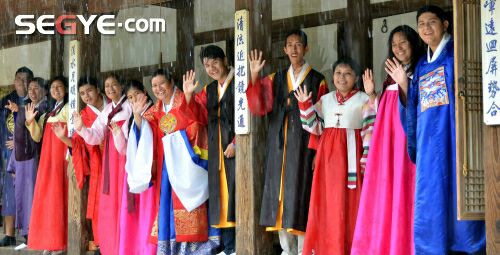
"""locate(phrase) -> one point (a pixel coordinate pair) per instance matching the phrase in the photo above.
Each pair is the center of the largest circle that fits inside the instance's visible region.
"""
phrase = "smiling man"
(291, 150)
(214, 107)
(9, 105)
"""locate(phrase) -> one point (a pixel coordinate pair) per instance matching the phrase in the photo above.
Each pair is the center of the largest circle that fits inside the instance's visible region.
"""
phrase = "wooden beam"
(138, 73)
(78, 234)
(251, 238)
(98, 6)
(90, 51)
(390, 8)
(176, 4)
(185, 40)
(10, 9)
(279, 28)
(357, 27)
(341, 43)
(56, 53)
(78, 231)
(213, 36)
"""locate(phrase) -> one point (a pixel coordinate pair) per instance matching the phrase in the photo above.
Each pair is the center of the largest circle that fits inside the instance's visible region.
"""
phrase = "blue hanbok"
(430, 127)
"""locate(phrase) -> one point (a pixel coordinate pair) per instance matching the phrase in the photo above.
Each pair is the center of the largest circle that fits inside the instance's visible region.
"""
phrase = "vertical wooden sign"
(241, 111)
(490, 35)
(74, 71)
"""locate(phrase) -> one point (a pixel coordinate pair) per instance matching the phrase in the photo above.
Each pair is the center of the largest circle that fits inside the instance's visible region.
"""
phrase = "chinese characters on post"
(490, 17)
(241, 111)
(74, 70)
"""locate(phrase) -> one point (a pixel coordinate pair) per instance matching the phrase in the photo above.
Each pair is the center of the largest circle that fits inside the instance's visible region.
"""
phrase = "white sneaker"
(20, 247)
(234, 253)
(221, 253)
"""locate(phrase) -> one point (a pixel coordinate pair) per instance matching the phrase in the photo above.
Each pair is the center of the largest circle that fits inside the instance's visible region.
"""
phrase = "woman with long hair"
(110, 128)
(385, 219)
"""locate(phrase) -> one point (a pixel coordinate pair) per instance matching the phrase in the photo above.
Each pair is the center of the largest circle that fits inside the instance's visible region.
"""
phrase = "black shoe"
(26, 237)
(8, 241)
(97, 252)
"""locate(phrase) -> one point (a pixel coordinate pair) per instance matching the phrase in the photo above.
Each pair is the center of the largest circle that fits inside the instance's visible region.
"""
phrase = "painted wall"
(213, 14)
(127, 50)
(35, 56)
(289, 8)
(208, 18)
(322, 42)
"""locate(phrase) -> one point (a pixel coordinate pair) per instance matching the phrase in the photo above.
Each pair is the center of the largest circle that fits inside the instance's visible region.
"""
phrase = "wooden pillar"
(185, 37)
(78, 232)
(251, 238)
(90, 50)
(56, 59)
(492, 182)
(357, 29)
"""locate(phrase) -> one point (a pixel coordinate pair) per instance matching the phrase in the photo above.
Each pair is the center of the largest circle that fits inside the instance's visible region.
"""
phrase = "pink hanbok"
(385, 218)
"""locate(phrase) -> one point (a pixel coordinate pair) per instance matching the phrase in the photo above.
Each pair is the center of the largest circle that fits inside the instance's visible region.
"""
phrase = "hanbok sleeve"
(120, 139)
(369, 115)
(196, 109)
(314, 139)
(311, 117)
(139, 157)
(95, 134)
(260, 96)
(81, 160)
(35, 128)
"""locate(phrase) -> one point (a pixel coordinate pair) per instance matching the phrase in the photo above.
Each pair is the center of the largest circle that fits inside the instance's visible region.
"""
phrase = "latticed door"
(469, 109)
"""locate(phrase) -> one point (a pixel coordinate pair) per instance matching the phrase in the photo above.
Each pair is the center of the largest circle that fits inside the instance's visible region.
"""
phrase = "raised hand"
(59, 130)
(140, 104)
(256, 64)
(77, 121)
(30, 112)
(188, 84)
(114, 128)
(368, 82)
(13, 107)
(397, 72)
(301, 94)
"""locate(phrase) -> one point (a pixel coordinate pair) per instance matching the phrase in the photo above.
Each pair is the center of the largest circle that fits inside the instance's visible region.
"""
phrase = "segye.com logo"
(66, 24)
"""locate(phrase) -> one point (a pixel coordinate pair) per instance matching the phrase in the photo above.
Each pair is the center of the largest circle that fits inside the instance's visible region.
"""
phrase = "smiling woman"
(49, 217)
(111, 128)
(344, 119)
(382, 211)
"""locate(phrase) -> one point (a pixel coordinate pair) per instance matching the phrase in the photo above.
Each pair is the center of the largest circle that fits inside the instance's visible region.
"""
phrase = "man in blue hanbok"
(428, 114)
